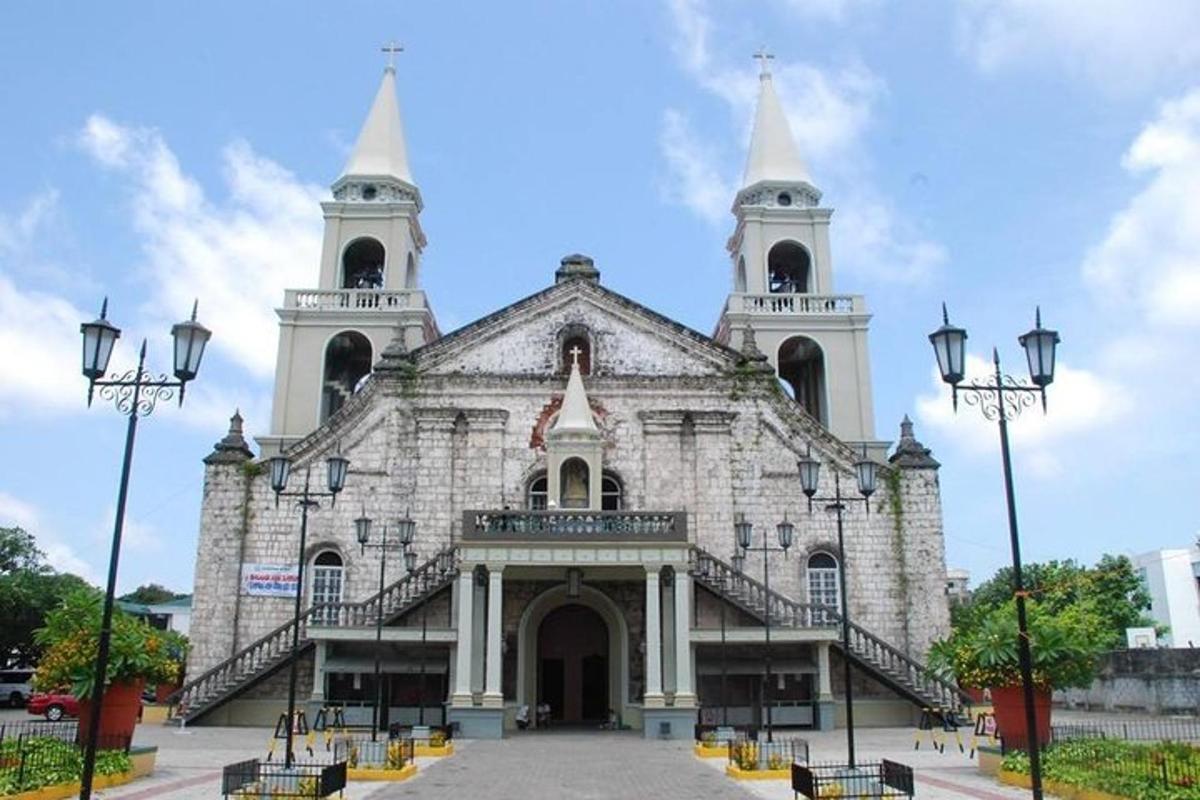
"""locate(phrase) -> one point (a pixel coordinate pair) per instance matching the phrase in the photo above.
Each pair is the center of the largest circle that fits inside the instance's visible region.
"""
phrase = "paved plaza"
(573, 764)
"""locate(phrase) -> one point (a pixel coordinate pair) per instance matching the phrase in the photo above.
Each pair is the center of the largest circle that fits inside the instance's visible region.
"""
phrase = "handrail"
(864, 645)
(580, 524)
(266, 649)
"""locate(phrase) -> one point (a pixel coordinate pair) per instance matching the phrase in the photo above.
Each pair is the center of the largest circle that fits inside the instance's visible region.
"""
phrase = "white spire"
(773, 154)
(576, 413)
(380, 149)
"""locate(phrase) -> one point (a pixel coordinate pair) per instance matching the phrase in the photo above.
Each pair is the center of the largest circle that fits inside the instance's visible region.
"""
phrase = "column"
(654, 694)
(667, 603)
(493, 695)
(824, 685)
(825, 704)
(465, 590)
(685, 695)
(318, 676)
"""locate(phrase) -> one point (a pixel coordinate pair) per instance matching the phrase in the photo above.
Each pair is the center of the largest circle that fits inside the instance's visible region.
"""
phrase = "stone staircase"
(886, 664)
(272, 652)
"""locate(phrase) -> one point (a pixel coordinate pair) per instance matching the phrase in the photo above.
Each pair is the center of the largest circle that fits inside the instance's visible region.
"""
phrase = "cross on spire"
(391, 48)
(575, 353)
(764, 56)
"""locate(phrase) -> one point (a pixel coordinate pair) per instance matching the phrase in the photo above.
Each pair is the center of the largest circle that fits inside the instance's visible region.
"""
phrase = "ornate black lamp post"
(135, 394)
(281, 467)
(405, 528)
(744, 537)
(867, 473)
(1001, 397)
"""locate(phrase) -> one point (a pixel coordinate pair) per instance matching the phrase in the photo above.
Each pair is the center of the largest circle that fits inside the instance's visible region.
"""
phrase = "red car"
(53, 705)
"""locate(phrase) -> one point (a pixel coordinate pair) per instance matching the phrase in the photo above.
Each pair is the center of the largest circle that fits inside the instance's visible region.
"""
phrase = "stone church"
(572, 468)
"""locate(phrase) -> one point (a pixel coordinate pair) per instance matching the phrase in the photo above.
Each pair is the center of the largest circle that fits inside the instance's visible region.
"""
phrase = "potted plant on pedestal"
(982, 653)
(137, 654)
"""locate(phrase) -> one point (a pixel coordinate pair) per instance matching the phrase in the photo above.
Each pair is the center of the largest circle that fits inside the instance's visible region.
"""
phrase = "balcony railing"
(571, 526)
(354, 299)
(795, 304)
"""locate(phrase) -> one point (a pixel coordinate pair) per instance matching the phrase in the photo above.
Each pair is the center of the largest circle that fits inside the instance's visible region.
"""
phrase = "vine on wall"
(895, 502)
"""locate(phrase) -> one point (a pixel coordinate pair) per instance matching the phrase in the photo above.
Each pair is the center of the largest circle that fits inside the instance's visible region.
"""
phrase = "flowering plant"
(982, 652)
(71, 639)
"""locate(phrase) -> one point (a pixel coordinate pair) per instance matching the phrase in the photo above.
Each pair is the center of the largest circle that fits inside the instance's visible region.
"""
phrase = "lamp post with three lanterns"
(280, 468)
(135, 394)
(867, 474)
(1000, 397)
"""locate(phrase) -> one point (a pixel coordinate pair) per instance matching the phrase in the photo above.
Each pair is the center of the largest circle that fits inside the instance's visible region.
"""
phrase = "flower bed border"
(367, 774)
(60, 791)
(703, 750)
(431, 751)
(1062, 790)
(739, 774)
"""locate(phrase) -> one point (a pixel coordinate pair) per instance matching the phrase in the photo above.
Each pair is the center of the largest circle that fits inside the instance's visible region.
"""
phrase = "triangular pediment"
(627, 338)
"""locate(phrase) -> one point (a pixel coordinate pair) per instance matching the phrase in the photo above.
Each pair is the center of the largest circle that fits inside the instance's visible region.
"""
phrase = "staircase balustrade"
(271, 651)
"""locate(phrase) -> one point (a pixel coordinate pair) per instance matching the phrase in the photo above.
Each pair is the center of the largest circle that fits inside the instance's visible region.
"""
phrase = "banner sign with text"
(269, 580)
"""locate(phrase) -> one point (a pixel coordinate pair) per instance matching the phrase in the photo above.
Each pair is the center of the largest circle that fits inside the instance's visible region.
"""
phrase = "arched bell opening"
(347, 362)
(802, 373)
(574, 484)
(739, 277)
(788, 269)
(362, 265)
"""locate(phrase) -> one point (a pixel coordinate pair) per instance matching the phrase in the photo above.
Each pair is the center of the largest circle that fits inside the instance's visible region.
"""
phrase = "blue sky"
(996, 154)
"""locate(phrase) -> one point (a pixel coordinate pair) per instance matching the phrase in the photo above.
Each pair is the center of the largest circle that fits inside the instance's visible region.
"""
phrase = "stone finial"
(577, 267)
(911, 454)
(233, 448)
(395, 356)
(751, 355)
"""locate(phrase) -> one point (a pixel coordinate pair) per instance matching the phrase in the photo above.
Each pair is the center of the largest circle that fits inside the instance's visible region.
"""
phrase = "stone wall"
(1159, 681)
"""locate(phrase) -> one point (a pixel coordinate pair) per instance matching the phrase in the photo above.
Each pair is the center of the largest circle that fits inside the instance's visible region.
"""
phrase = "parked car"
(53, 705)
(16, 686)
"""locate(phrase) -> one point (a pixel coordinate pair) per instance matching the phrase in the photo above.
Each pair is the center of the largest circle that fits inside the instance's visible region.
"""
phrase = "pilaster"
(654, 691)
(493, 696)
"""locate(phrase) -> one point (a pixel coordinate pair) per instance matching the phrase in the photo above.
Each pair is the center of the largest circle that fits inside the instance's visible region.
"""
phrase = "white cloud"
(1080, 403)
(40, 333)
(829, 111)
(1149, 260)
(236, 255)
(14, 511)
(1118, 44)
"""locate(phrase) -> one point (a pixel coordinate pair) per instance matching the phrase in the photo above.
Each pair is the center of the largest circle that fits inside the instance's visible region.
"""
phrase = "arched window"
(788, 269)
(823, 586)
(326, 582)
(577, 345)
(362, 265)
(612, 493)
(739, 278)
(347, 362)
(802, 370)
(573, 484)
(536, 493)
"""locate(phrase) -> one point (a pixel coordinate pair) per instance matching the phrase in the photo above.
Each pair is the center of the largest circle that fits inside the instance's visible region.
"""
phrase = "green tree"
(151, 593)
(29, 589)
(1111, 593)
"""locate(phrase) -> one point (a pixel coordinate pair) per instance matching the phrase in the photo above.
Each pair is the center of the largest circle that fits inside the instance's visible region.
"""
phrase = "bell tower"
(368, 286)
(782, 271)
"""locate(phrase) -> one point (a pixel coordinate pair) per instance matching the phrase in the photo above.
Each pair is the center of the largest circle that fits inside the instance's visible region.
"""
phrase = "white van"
(16, 686)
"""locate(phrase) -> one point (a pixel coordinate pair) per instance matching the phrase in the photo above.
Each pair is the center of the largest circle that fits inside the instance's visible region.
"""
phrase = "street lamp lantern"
(868, 474)
(950, 347)
(99, 336)
(362, 529)
(810, 474)
(338, 466)
(743, 531)
(280, 468)
(1040, 345)
(739, 560)
(190, 339)
(410, 560)
(786, 531)
(406, 528)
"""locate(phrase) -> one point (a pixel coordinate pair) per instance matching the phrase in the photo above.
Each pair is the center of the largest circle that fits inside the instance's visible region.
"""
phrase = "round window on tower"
(369, 192)
(784, 199)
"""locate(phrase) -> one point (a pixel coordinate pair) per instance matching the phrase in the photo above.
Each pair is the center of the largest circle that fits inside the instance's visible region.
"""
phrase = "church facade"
(572, 468)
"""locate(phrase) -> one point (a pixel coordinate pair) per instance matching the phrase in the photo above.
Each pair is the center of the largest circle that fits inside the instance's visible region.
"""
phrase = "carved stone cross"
(763, 57)
(575, 353)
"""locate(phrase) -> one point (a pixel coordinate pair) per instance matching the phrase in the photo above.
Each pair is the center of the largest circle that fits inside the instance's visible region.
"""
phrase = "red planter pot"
(1008, 703)
(118, 714)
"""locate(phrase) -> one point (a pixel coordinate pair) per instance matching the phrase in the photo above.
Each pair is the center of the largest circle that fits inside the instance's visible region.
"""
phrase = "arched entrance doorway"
(572, 663)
